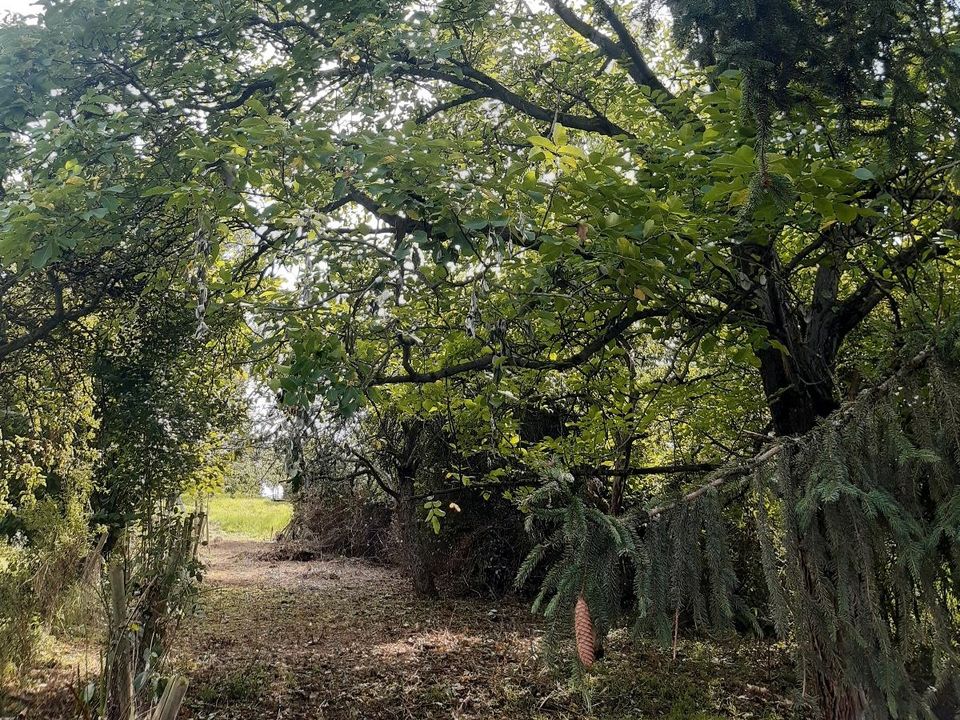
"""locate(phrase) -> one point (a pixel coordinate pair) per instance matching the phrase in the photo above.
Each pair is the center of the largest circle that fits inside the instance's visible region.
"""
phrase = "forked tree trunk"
(797, 367)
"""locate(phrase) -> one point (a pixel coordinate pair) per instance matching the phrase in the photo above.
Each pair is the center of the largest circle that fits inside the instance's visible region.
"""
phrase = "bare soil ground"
(347, 639)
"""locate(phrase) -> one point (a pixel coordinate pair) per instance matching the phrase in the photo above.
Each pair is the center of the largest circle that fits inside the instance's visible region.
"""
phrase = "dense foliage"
(474, 246)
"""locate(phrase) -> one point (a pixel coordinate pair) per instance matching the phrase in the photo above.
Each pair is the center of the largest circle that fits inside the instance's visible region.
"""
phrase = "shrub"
(39, 568)
(152, 584)
(19, 620)
(326, 524)
(479, 547)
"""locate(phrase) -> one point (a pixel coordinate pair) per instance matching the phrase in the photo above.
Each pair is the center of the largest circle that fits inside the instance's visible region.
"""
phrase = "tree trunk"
(797, 396)
(412, 548)
(797, 370)
(625, 439)
(797, 400)
(836, 700)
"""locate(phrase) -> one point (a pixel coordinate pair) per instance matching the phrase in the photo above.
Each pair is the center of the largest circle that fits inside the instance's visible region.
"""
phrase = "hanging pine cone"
(583, 631)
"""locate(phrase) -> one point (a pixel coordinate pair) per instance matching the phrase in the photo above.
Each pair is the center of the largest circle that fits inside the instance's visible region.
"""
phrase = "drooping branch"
(838, 418)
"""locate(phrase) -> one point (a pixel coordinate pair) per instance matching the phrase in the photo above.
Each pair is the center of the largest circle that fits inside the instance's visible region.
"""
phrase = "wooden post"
(91, 565)
(120, 701)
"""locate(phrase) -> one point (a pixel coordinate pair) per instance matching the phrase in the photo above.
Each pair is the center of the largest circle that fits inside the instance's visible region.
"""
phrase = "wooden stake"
(121, 701)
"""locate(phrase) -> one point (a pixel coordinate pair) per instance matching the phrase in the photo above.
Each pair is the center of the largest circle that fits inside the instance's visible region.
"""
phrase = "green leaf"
(542, 142)
(560, 135)
(42, 255)
(845, 213)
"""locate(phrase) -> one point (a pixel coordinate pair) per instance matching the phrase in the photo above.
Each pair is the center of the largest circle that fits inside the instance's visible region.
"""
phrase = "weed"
(236, 687)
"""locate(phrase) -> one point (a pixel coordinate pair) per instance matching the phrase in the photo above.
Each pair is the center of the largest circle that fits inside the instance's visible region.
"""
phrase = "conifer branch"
(836, 419)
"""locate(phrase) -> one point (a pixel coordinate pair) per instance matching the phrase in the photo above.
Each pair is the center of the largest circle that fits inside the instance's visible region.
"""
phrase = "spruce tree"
(857, 526)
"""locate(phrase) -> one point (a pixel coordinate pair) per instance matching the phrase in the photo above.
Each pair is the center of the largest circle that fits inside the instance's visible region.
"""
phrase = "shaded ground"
(346, 639)
(47, 692)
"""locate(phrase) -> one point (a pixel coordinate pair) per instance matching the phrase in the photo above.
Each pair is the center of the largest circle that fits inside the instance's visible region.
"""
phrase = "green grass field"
(251, 517)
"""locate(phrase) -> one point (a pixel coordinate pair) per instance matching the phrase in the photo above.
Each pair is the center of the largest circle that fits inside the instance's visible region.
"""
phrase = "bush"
(325, 524)
(152, 584)
(481, 559)
(476, 552)
(479, 547)
(19, 619)
(39, 568)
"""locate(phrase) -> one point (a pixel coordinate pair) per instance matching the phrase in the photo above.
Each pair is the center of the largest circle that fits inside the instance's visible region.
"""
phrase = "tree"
(693, 229)
(169, 410)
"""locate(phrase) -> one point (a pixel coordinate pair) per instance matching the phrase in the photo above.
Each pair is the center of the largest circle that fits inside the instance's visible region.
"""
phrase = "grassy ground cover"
(250, 517)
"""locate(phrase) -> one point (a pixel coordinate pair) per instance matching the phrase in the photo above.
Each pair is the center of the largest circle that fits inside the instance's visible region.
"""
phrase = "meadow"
(251, 517)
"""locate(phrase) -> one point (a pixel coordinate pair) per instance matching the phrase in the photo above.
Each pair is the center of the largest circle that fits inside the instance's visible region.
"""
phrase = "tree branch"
(244, 94)
(650, 470)
(613, 331)
(627, 53)
(450, 104)
(852, 311)
(55, 320)
(837, 419)
(479, 83)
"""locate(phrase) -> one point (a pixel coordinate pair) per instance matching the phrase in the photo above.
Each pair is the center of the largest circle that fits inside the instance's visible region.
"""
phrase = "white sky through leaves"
(24, 7)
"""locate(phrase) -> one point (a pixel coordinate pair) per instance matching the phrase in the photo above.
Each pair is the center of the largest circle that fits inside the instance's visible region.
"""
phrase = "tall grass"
(256, 518)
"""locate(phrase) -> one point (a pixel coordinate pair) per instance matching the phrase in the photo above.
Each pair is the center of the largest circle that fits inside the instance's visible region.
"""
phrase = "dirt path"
(347, 639)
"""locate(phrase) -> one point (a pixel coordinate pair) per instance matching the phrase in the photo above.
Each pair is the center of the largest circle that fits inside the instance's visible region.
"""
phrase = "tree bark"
(796, 396)
(796, 404)
(412, 548)
(797, 371)
(796, 364)
(625, 439)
